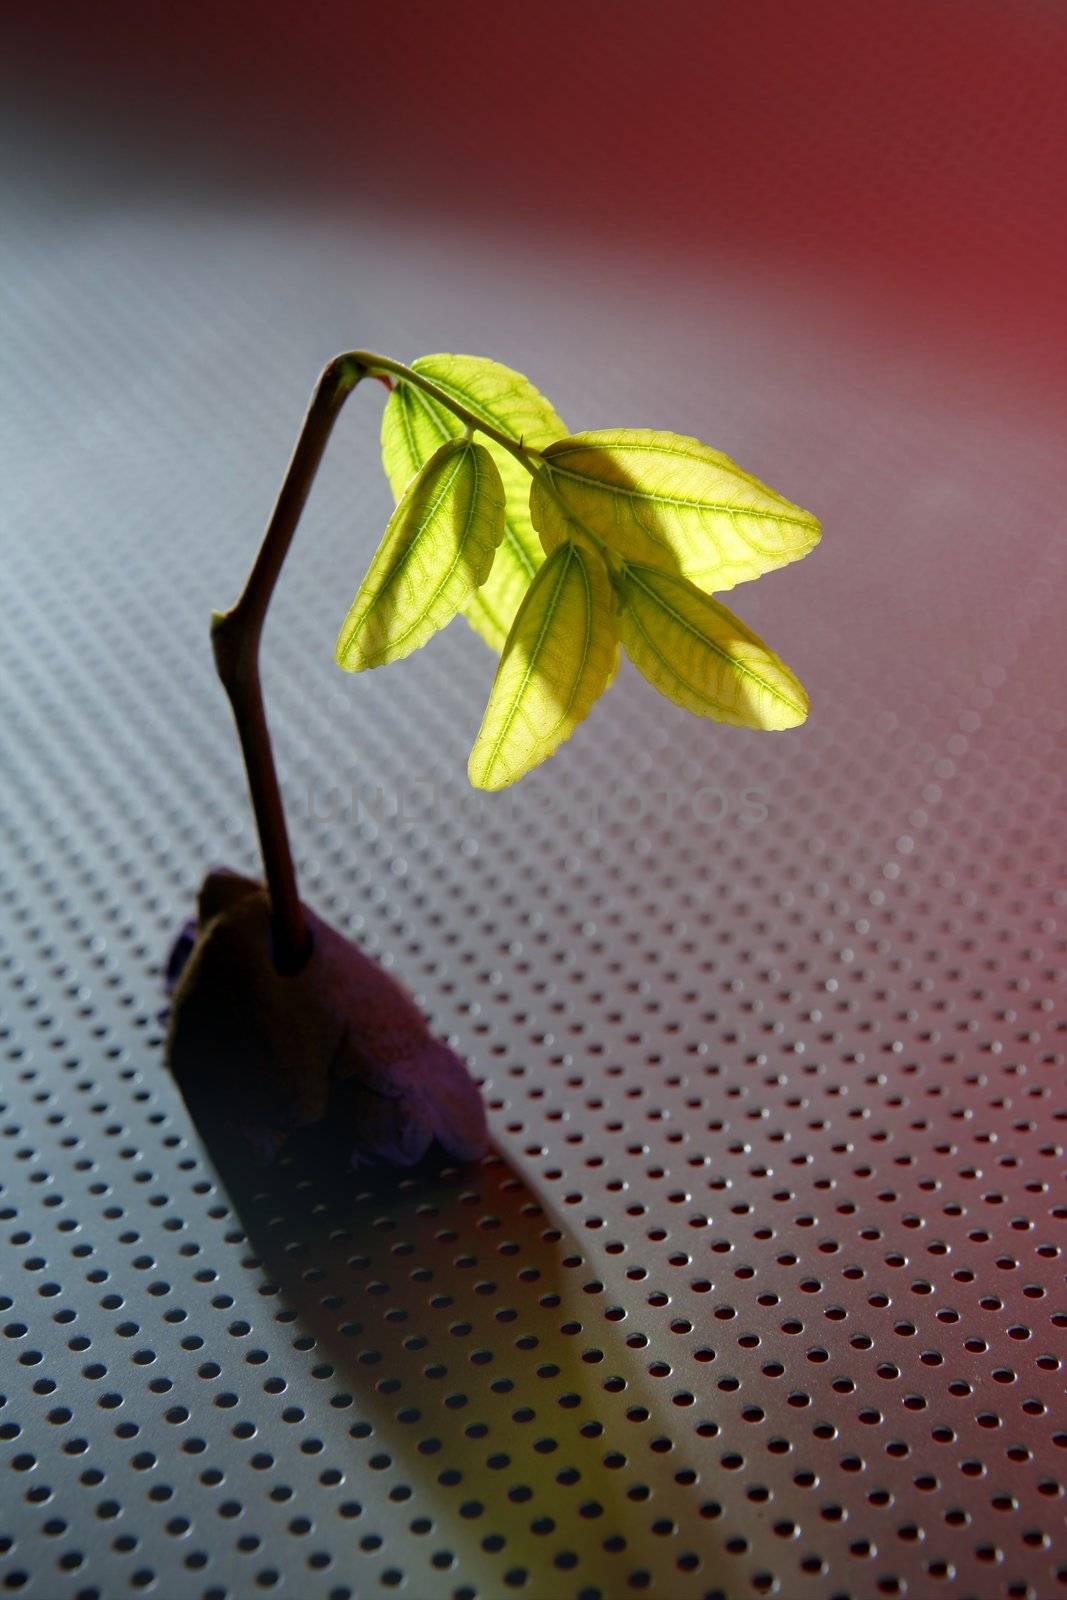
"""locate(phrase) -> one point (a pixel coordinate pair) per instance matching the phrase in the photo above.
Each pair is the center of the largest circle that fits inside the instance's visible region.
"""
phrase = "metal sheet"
(760, 1291)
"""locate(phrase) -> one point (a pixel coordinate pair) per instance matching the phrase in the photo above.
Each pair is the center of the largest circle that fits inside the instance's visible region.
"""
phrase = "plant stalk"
(236, 634)
(379, 366)
(235, 639)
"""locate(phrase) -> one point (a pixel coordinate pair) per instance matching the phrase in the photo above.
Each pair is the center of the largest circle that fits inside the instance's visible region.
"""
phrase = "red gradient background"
(914, 151)
(829, 238)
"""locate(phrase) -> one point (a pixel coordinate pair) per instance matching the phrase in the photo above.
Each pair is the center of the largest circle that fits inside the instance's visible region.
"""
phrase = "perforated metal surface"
(761, 1289)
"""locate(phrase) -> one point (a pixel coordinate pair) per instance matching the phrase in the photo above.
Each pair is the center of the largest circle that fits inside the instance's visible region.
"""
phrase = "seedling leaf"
(701, 656)
(668, 501)
(559, 657)
(415, 425)
(437, 549)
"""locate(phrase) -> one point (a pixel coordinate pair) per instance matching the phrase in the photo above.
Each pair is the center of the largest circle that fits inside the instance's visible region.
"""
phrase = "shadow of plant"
(511, 1439)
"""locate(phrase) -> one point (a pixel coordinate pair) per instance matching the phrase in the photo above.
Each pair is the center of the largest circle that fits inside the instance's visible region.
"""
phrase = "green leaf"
(560, 655)
(437, 549)
(413, 427)
(701, 656)
(669, 502)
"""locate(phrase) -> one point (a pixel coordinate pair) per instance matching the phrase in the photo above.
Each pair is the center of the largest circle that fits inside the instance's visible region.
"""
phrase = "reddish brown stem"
(235, 639)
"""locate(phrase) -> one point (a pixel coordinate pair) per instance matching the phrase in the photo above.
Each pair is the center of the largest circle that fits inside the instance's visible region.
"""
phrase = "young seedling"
(558, 548)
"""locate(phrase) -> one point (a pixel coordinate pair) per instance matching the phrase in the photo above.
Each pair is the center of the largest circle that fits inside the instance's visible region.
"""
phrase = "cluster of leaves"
(559, 548)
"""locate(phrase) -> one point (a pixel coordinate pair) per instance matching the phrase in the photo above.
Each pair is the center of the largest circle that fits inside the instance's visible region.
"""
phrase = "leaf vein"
(518, 697)
(631, 492)
(684, 623)
(473, 515)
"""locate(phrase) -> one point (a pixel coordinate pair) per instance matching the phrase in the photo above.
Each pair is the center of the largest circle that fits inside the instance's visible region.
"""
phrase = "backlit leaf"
(437, 549)
(560, 655)
(415, 425)
(668, 502)
(701, 656)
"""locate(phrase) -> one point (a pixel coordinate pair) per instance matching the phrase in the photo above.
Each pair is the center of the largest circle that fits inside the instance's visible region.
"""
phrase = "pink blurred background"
(911, 153)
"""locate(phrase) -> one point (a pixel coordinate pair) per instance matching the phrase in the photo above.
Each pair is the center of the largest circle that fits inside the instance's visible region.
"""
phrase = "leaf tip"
(479, 776)
(791, 712)
(348, 651)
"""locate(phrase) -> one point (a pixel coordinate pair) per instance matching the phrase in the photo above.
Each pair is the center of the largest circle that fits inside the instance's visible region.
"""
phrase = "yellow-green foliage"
(557, 660)
(437, 551)
(639, 528)
(415, 424)
(670, 502)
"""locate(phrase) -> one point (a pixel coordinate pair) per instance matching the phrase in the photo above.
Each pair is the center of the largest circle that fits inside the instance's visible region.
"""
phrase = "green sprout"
(558, 548)
(561, 550)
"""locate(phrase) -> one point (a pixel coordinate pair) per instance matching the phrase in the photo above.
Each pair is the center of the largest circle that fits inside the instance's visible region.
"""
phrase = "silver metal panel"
(760, 1291)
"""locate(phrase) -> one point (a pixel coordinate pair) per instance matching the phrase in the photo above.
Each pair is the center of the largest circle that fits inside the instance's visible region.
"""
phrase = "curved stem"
(530, 459)
(236, 634)
(235, 639)
(371, 363)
